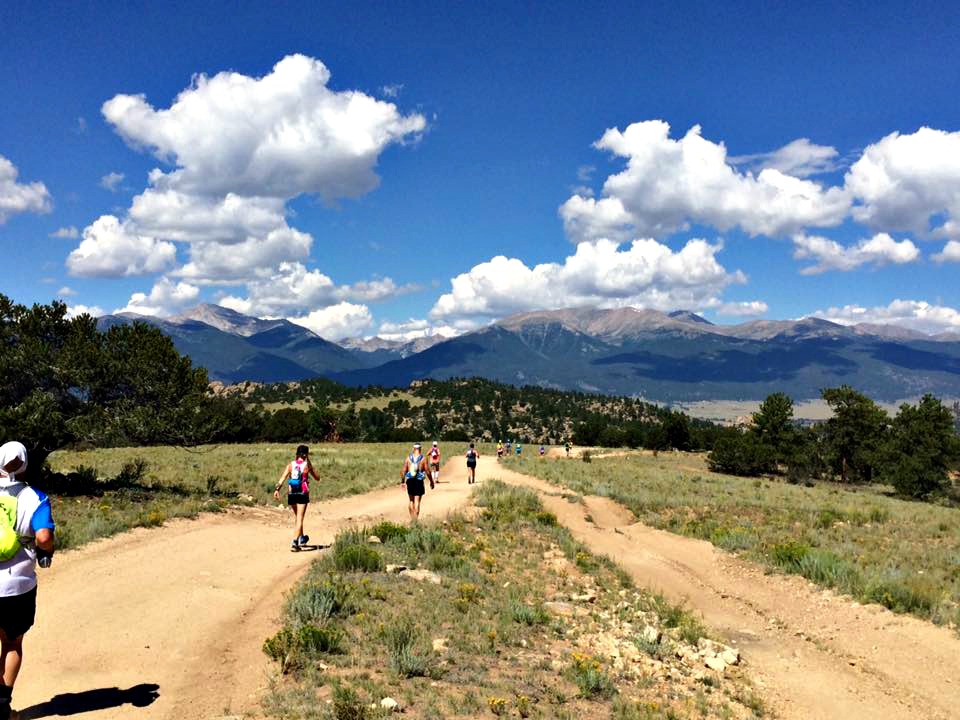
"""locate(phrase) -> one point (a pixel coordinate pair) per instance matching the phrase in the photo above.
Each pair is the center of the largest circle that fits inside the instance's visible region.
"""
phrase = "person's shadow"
(90, 700)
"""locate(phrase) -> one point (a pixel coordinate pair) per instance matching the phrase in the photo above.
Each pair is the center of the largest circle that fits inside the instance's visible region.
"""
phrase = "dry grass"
(110, 490)
(861, 541)
(482, 642)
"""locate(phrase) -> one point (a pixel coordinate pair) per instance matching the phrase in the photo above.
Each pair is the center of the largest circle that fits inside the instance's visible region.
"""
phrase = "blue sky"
(409, 168)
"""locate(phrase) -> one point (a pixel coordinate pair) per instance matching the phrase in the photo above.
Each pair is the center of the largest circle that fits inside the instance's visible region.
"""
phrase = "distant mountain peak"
(227, 320)
(689, 316)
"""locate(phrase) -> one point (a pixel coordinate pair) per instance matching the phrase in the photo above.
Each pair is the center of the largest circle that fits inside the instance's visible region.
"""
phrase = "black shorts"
(471, 464)
(298, 498)
(415, 487)
(17, 613)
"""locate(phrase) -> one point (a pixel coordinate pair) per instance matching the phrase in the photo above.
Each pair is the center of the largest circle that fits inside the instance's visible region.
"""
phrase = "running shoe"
(294, 547)
(304, 539)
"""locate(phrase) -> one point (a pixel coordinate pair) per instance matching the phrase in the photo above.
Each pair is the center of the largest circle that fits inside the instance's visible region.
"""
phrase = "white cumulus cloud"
(166, 298)
(914, 314)
(337, 322)
(800, 158)
(644, 274)
(67, 233)
(950, 253)
(669, 184)
(910, 183)
(746, 308)
(17, 197)
(66, 291)
(293, 288)
(279, 135)
(112, 249)
(78, 310)
(828, 254)
(111, 181)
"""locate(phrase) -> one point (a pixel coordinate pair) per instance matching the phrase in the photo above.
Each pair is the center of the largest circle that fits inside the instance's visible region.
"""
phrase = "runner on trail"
(499, 449)
(434, 464)
(543, 451)
(297, 475)
(566, 446)
(26, 537)
(413, 475)
(519, 449)
(472, 456)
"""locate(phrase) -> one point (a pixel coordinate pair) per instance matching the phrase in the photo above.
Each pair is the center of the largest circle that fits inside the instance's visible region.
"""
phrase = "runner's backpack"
(298, 471)
(413, 469)
(9, 539)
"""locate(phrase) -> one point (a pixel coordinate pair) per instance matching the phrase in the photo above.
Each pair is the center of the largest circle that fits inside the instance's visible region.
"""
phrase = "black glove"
(44, 558)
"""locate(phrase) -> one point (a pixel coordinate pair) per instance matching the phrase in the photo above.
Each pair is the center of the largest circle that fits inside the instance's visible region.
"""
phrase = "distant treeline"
(915, 451)
(464, 409)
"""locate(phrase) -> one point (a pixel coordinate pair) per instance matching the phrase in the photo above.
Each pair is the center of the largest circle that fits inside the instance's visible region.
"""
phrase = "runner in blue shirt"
(26, 538)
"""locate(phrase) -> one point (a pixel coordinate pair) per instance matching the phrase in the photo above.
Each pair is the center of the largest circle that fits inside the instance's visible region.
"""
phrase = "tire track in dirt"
(812, 653)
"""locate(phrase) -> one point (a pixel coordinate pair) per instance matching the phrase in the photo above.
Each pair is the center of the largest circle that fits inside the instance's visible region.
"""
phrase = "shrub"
(282, 648)
(312, 641)
(586, 456)
(789, 554)
(589, 677)
(347, 704)
(315, 603)
(388, 531)
(528, 614)
(402, 639)
(357, 558)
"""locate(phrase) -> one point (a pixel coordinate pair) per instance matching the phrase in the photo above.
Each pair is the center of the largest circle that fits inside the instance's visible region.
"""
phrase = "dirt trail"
(812, 653)
(182, 610)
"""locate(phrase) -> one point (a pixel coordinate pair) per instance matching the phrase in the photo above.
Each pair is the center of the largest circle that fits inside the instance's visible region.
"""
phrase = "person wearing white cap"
(434, 464)
(413, 475)
(26, 536)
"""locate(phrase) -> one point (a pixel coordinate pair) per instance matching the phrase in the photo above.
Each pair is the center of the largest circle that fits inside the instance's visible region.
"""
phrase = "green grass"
(107, 491)
(861, 541)
(483, 641)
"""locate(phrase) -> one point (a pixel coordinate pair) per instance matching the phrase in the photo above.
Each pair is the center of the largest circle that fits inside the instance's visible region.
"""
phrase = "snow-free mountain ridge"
(676, 356)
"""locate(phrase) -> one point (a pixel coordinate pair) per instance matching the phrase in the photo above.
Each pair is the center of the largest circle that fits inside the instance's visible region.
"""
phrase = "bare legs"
(11, 655)
(298, 513)
(414, 507)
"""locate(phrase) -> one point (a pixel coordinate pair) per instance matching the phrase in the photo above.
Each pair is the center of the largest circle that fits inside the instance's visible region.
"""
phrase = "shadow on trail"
(91, 700)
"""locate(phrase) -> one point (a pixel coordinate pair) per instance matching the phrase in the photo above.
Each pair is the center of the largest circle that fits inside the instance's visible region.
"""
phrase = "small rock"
(421, 576)
(559, 608)
(396, 568)
(556, 665)
(730, 656)
(388, 703)
(588, 596)
(715, 663)
(440, 644)
(374, 540)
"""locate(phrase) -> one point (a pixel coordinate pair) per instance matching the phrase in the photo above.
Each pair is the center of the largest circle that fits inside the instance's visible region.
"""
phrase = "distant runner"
(472, 456)
(519, 449)
(434, 464)
(499, 450)
(543, 451)
(297, 475)
(413, 476)
(566, 446)
(26, 538)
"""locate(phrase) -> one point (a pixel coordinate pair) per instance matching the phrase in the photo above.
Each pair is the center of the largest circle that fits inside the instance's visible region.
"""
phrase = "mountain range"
(678, 356)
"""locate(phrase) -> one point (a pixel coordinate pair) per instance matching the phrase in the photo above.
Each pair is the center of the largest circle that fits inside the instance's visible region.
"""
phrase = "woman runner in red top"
(297, 475)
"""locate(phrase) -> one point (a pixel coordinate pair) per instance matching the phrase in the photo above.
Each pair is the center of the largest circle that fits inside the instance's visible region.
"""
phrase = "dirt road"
(169, 622)
(813, 654)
